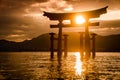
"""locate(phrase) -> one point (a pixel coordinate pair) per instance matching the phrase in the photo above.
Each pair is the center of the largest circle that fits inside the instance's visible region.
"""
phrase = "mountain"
(42, 43)
(108, 43)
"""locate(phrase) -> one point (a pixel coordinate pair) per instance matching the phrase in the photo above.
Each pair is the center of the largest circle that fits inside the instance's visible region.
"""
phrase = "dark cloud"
(10, 6)
(27, 26)
(12, 19)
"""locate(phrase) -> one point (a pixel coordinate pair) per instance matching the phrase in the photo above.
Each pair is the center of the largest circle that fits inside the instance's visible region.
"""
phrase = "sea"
(39, 66)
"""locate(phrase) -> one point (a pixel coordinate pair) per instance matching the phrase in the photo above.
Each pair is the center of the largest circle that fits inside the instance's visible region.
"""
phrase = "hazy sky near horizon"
(23, 19)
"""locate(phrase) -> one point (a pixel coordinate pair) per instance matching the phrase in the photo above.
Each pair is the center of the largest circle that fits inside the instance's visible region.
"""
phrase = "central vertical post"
(59, 53)
(81, 45)
(87, 40)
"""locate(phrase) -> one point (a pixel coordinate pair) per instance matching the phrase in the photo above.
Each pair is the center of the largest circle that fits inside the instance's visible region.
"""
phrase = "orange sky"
(23, 19)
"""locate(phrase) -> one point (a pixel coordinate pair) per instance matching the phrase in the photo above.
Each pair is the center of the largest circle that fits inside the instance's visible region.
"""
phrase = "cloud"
(107, 27)
(13, 21)
(80, 5)
(22, 19)
(110, 23)
(106, 31)
(50, 6)
(22, 25)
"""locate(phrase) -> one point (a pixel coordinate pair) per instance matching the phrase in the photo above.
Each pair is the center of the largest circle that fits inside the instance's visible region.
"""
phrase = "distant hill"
(42, 43)
(108, 43)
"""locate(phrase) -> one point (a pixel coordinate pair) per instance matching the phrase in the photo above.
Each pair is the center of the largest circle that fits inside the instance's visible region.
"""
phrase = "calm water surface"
(38, 66)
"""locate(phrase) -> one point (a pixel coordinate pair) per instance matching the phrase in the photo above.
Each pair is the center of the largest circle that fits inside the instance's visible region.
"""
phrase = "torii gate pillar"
(51, 45)
(81, 45)
(93, 45)
(59, 53)
(87, 41)
(65, 45)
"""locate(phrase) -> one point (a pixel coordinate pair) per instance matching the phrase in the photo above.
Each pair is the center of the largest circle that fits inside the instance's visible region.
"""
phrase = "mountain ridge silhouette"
(42, 43)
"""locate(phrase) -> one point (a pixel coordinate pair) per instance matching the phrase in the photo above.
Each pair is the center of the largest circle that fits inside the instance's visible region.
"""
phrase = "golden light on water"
(79, 20)
(78, 64)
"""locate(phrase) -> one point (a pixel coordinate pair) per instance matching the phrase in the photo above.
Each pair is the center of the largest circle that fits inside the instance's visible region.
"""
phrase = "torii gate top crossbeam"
(69, 16)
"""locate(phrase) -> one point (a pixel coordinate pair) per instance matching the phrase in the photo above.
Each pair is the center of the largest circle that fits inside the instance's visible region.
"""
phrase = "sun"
(79, 20)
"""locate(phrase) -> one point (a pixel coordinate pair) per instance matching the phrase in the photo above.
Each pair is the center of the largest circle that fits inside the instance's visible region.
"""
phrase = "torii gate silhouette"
(70, 16)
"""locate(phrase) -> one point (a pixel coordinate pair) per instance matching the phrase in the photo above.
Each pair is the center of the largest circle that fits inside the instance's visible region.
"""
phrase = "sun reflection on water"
(78, 64)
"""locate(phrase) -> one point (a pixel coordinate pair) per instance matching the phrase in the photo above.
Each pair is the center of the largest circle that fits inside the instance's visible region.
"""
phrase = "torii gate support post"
(59, 53)
(87, 40)
(51, 45)
(81, 45)
(65, 45)
(93, 46)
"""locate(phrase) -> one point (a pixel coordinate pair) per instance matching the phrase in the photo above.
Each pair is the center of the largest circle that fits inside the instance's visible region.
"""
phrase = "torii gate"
(70, 16)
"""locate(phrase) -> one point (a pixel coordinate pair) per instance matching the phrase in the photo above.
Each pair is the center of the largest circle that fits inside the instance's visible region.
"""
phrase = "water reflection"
(79, 65)
(37, 66)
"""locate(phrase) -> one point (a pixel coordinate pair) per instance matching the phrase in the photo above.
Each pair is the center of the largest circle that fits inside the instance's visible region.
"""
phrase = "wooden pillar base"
(51, 45)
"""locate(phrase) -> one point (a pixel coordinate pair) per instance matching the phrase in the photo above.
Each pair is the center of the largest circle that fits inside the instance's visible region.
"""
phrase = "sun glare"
(79, 20)
(78, 64)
